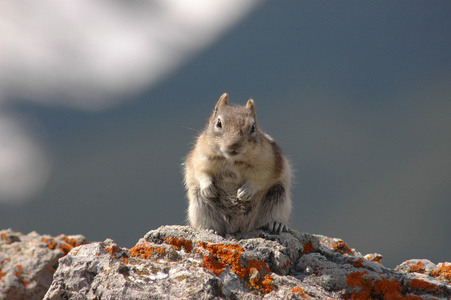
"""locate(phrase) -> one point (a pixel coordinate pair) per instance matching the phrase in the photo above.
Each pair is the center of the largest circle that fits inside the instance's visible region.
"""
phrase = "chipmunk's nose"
(235, 146)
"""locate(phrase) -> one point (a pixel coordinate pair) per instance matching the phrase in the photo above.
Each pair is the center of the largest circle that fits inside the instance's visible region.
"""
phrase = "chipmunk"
(236, 176)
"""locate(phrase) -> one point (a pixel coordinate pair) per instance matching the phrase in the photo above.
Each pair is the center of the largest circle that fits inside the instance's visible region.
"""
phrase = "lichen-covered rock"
(27, 262)
(178, 262)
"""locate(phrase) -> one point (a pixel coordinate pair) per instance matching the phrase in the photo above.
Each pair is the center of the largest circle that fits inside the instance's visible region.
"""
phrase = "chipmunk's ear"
(223, 100)
(250, 105)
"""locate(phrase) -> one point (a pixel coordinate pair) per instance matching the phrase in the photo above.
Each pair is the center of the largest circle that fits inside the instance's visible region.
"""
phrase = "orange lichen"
(379, 289)
(65, 246)
(358, 263)
(308, 248)
(264, 285)
(377, 259)
(357, 279)
(259, 265)
(222, 255)
(374, 257)
(300, 291)
(229, 254)
(19, 275)
(112, 250)
(69, 245)
(213, 264)
(179, 243)
(145, 251)
(341, 247)
(419, 284)
(51, 244)
(443, 272)
(72, 242)
(418, 267)
(2, 274)
(6, 238)
(388, 289)
(286, 264)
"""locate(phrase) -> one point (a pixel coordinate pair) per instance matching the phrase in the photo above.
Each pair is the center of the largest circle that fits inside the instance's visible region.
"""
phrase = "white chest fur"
(230, 173)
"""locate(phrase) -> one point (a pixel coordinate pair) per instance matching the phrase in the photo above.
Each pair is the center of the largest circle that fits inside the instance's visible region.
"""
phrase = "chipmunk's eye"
(253, 128)
(219, 124)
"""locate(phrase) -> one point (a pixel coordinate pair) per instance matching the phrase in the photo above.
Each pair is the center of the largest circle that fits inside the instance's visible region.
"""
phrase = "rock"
(178, 262)
(27, 262)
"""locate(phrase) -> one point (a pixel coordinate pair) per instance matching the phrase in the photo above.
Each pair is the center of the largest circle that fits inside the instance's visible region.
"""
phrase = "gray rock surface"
(27, 262)
(178, 262)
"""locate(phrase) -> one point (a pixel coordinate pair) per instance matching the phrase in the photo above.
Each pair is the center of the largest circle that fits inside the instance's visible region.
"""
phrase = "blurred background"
(100, 102)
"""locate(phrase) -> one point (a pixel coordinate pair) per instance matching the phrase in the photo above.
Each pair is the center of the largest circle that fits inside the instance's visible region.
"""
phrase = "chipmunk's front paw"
(246, 192)
(208, 191)
(276, 227)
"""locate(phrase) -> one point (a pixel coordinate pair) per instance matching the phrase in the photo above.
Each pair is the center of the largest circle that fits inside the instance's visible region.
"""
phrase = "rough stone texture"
(178, 262)
(27, 262)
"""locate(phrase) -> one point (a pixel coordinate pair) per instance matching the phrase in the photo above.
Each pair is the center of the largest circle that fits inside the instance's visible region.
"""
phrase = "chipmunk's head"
(233, 128)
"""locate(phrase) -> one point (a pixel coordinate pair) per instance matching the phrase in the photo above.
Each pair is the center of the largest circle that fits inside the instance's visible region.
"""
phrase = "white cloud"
(90, 55)
(85, 54)
(24, 166)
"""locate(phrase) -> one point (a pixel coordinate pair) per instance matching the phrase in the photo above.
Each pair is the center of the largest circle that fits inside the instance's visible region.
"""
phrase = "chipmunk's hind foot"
(275, 227)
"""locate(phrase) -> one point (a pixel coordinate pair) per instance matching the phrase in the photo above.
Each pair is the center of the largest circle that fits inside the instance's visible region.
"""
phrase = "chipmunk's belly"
(229, 180)
(237, 214)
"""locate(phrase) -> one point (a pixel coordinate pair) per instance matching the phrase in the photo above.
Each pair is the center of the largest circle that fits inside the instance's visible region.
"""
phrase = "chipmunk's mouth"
(233, 153)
